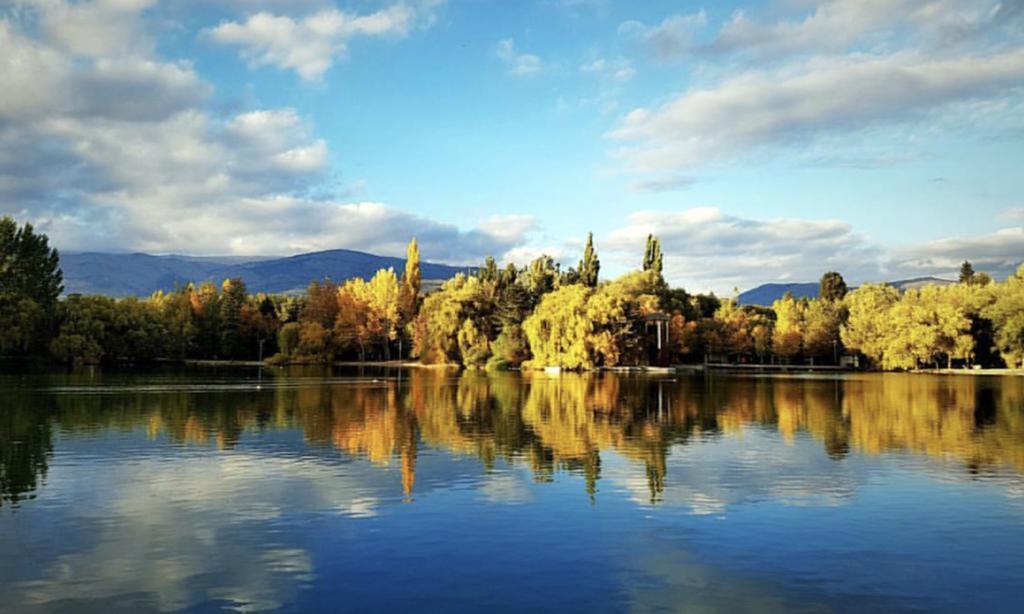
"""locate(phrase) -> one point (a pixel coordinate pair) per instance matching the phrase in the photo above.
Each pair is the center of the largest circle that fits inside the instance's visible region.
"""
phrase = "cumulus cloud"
(828, 95)
(706, 248)
(518, 64)
(121, 152)
(309, 45)
(998, 253)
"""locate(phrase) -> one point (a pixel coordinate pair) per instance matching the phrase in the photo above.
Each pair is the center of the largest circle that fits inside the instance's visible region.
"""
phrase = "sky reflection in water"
(312, 489)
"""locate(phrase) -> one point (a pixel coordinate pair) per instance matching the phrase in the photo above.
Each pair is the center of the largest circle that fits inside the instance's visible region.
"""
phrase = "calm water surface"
(425, 490)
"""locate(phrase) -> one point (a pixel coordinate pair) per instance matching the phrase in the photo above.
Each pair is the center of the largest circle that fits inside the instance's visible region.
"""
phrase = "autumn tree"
(435, 332)
(1007, 315)
(735, 328)
(409, 292)
(866, 328)
(822, 319)
(788, 335)
(616, 311)
(558, 329)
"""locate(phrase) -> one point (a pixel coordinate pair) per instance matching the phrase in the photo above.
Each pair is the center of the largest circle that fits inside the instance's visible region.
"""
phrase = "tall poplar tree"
(590, 266)
(410, 288)
(652, 255)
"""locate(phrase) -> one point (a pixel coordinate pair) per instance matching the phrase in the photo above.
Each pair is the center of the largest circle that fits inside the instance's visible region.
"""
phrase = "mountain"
(766, 294)
(143, 274)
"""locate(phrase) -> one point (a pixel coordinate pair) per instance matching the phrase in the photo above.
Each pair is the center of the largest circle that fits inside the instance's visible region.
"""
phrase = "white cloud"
(518, 64)
(94, 28)
(311, 44)
(829, 26)
(121, 152)
(705, 248)
(998, 253)
(670, 39)
(825, 95)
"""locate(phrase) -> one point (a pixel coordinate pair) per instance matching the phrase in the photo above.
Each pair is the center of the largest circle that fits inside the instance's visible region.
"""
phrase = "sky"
(767, 141)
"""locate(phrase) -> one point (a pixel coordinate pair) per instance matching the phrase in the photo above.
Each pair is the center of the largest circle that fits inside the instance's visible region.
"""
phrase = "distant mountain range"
(143, 274)
(766, 294)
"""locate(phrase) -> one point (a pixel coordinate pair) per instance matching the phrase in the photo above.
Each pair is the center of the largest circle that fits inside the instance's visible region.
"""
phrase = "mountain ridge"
(141, 274)
(767, 293)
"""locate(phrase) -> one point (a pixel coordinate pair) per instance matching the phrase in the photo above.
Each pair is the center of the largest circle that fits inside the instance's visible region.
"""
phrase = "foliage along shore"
(536, 316)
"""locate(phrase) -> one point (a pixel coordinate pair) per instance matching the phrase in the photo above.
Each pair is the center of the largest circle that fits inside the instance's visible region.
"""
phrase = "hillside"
(766, 294)
(143, 274)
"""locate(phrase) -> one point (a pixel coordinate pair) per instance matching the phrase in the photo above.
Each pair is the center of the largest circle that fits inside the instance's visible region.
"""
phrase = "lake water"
(320, 489)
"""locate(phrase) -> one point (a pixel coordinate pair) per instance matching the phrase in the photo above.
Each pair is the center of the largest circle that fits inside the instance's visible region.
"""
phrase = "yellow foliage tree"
(866, 328)
(787, 340)
(559, 328)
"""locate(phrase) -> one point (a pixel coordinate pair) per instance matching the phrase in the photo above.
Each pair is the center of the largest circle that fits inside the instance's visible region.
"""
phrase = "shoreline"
(673, 369)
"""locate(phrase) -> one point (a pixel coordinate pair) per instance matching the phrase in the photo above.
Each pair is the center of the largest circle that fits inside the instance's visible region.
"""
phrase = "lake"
(425, 490)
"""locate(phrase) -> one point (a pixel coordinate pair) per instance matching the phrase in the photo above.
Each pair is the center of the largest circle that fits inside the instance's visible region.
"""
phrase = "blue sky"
(761, 141)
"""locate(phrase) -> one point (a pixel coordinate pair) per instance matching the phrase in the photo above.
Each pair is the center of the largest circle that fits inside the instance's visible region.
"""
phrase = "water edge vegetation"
(536, 316)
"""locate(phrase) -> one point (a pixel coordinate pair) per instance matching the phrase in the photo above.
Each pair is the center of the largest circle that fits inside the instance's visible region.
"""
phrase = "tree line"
(496, 317)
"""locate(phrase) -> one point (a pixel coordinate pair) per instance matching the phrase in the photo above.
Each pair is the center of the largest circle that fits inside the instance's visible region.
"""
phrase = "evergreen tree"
(832, 287)
(966, 273)
(588, 269)
(233, 296)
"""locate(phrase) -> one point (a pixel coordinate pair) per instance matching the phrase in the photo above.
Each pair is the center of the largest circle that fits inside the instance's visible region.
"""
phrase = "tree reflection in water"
(551, 424)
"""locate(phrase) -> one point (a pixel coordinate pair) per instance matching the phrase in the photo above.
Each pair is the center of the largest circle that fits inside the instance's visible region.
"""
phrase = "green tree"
(832, 287)
(589, 266)
(966, 273)
(541, 277)
(232, 301)
(652, 255)
(29, 268)
(30, 283)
